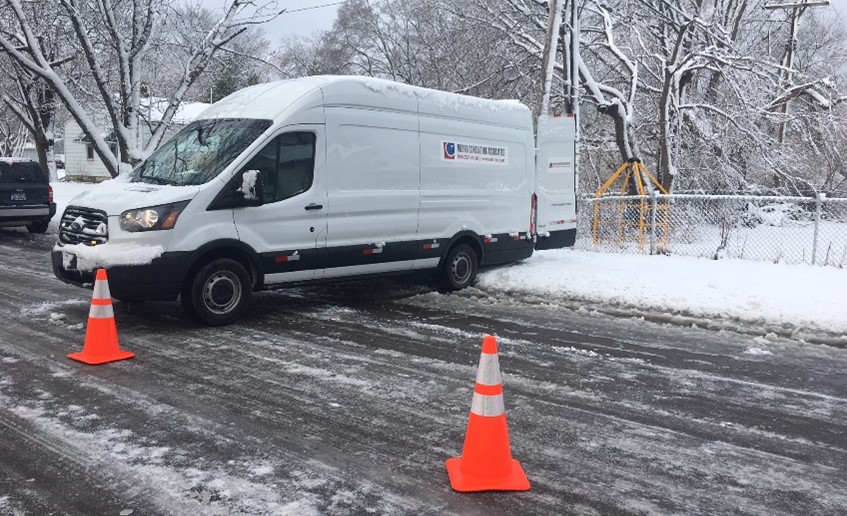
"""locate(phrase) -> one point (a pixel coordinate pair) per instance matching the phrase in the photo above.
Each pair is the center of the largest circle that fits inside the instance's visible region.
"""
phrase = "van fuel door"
(555, 182)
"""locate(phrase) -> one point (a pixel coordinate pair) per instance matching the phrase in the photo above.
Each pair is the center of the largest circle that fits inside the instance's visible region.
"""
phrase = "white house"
(83, 164)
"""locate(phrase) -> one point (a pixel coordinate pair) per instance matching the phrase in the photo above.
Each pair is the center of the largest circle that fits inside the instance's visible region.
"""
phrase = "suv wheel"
(459, 268)
(218, 292)
(39, 226)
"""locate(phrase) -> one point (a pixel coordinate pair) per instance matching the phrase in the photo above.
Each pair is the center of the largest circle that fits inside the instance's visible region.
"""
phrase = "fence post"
(818, 199)
(653, 203)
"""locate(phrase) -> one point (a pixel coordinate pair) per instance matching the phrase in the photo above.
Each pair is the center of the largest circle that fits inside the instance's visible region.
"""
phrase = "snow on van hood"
(118, 195)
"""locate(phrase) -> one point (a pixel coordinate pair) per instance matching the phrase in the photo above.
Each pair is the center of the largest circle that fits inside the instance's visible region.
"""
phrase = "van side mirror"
(252, 189)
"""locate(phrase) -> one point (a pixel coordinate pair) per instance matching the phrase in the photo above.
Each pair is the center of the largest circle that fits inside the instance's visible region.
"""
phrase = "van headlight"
(153, 218)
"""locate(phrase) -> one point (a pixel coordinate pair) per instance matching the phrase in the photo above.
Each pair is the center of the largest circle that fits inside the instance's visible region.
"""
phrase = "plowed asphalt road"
(348, 399)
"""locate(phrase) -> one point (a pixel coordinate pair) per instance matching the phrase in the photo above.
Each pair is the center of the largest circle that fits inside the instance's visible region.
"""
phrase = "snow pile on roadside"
(799, 295)
(757, 352)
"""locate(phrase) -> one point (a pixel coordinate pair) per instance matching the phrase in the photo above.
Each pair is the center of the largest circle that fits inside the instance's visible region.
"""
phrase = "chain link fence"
(775, 229)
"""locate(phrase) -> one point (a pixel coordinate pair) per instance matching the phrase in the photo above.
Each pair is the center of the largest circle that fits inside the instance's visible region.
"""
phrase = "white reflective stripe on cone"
(489, 370)
(487, 406)
(101, 290)
(101, 312)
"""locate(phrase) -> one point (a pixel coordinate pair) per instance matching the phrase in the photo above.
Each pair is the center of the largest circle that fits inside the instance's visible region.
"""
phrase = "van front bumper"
(160, 280)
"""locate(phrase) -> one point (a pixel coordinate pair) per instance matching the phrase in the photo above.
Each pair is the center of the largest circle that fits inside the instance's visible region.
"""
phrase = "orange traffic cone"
(486, 463)
(101, 336)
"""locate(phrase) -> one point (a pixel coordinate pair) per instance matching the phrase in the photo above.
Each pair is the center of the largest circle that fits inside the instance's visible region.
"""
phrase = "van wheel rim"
(222, 292)
(461, 268)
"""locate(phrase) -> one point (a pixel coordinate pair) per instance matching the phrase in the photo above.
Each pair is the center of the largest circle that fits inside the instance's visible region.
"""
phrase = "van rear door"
(555, 182)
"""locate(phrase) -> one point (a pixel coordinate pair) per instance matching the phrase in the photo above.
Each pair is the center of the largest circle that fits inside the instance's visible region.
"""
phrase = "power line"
(289, 11)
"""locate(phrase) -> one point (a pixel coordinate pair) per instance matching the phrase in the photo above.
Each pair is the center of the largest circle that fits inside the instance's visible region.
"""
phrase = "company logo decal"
(449, 150)
(559, 165)
(474, 153)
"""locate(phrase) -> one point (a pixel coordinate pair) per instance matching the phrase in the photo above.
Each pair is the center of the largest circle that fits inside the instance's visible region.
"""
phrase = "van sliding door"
(373, 191)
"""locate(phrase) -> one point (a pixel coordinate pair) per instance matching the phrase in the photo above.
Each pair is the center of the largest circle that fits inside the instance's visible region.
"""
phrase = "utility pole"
(574, 62)
(797, 9)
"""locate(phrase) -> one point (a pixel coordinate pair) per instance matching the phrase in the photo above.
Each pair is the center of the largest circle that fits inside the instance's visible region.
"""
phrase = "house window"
(89, 151)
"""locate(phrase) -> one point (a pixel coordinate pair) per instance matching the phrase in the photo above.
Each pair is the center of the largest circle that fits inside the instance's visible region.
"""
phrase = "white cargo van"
(324, 178)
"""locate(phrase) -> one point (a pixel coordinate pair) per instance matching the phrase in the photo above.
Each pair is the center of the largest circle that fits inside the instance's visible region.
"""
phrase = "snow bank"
(799, 295)
(89, 258)
(757, 352)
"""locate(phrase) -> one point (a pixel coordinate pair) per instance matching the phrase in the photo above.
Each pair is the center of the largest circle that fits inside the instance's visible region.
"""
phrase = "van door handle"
(314, 206)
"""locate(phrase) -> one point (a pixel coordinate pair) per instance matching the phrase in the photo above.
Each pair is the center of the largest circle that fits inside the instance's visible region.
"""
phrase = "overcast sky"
(307, 21)
(841, 7)
(295, 22)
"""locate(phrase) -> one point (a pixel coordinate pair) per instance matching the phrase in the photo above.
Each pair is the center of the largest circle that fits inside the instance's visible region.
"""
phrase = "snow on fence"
(792, 230)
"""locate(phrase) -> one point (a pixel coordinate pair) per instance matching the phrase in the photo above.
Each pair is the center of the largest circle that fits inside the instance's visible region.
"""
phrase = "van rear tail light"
(533, 209)
(49, 193)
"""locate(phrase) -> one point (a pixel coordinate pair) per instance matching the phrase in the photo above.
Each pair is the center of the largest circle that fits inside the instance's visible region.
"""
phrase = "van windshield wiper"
(161, 180)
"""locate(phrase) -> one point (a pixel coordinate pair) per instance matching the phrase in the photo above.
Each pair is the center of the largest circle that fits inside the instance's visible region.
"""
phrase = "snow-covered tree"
(113, 40)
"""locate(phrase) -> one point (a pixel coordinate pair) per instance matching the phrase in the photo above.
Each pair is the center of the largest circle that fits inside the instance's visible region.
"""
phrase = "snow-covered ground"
(757, 292)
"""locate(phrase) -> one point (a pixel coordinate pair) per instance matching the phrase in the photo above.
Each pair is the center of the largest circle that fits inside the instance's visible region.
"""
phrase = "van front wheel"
(218, 293)
(459, 268)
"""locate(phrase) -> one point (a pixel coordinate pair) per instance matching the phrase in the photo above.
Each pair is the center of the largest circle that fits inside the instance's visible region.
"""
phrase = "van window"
(287, 165)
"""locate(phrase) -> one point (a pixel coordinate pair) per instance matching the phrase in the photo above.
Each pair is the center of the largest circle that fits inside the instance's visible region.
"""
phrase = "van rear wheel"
(218, 292)
(459, 268)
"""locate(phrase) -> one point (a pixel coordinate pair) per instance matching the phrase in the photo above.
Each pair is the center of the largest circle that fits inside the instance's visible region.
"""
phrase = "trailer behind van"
(325, 178)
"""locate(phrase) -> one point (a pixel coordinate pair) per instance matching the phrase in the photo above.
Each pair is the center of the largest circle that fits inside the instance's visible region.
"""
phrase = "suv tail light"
(532, 211)
(49, 193)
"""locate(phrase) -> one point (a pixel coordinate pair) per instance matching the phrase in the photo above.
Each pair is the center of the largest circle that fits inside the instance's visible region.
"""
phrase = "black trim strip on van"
(557, 240)
(502, 247)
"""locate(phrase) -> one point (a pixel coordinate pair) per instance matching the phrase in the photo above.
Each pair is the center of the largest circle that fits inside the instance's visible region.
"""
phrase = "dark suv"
(26, 197)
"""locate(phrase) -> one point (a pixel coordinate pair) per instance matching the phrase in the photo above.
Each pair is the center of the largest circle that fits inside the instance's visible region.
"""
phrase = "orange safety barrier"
(101, 336)
(486, 463)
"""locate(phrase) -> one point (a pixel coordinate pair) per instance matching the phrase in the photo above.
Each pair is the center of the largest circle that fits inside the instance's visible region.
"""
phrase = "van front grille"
(84, 226)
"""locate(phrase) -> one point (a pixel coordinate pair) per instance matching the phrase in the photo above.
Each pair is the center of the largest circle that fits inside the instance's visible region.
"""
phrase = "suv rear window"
(22, 172)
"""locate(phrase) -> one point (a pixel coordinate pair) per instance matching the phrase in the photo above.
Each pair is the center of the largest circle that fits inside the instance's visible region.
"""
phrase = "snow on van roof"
(154, 109)
(265, 101)
(268, 100)
(441, 99)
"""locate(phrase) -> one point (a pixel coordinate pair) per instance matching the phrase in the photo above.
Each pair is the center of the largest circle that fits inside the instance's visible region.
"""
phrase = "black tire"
(39, 226)
(459, 268)
(218, 292)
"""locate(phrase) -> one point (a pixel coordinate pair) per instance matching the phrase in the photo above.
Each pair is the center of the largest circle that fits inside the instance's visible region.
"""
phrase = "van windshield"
(200, 151)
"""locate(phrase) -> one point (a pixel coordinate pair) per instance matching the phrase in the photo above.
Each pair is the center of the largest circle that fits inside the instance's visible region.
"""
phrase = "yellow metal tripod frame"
(635, 180)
